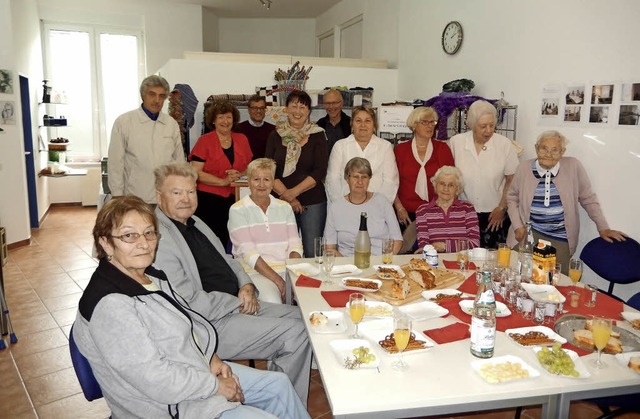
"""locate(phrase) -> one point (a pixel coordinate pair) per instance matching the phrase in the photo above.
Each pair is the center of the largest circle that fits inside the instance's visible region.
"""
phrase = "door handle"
(27, 153)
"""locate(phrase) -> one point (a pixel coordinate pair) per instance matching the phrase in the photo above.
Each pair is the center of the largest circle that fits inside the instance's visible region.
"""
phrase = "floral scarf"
(291, 138)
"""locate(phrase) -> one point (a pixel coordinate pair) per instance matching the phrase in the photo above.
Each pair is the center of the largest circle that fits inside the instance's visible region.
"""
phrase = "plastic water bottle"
(430, 255)
(483, 320)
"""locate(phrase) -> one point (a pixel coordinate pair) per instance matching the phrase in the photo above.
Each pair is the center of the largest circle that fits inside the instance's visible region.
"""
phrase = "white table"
(441, 381)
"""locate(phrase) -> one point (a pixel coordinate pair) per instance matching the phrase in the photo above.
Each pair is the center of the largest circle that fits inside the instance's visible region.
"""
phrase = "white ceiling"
(253, 9)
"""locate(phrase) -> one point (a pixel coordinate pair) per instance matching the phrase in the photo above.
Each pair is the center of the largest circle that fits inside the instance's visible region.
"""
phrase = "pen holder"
(287, 86)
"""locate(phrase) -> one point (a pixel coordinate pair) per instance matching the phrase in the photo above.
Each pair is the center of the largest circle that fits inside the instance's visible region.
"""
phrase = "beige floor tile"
(45, 362)
(74, 407)
(65, 317)
(38, 342)
(31, 324)
(62, 302)
(28, 414)
(57, 289)
(54, 386)
(81, 274)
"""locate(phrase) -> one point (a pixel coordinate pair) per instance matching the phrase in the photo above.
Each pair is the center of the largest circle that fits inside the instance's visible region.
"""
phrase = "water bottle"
(525, 256)
(483, 320)
(362, 254)
(430, 255)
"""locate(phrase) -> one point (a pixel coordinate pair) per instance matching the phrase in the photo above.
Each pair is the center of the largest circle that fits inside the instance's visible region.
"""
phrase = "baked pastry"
(584, 338)
(634, 363)
(426, 279)
(400, 289)
(388, 273)
(635, 323)
(419, 264)
(317, 319)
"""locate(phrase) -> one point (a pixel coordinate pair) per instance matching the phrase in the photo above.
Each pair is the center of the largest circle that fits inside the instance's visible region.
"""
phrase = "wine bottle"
(362, 254)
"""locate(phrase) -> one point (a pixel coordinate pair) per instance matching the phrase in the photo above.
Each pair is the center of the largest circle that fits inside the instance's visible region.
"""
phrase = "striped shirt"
(547, 213)
(433, 224)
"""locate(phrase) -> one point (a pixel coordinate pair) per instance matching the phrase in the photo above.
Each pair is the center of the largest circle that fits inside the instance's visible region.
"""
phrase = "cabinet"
(51, 136)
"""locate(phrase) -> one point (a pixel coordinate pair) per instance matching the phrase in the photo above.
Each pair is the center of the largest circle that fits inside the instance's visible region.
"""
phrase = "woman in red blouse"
(220, 157)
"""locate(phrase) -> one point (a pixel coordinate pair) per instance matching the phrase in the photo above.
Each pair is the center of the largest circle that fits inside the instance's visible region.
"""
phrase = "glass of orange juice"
(387, 251)
(401, 335)
(356, 310)
(504, 255)
(575, 270)
(601, 329)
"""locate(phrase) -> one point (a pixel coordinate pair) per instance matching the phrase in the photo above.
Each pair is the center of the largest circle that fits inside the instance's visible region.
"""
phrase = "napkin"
(305, 281)
(452, 264)
(469, 285)
(451, 333)
(337, 298)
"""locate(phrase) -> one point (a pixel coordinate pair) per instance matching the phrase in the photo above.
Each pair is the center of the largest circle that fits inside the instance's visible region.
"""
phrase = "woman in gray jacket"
(151, 354)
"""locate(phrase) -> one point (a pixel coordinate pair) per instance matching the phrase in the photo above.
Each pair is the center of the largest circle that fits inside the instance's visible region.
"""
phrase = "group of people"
(168, 308)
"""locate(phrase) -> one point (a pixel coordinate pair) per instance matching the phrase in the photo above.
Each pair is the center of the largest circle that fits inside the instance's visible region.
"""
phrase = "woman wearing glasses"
(152, 355)
(487, 161)
(343, 216)
(418, 160)
(546, 191)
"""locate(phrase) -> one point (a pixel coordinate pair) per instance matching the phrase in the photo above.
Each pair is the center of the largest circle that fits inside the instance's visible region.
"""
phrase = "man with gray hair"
(141, 140)
(337, 124)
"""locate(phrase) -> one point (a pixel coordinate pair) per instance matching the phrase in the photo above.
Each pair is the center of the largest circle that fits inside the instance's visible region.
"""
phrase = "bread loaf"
(419, 264)
(317, 318)
(400, 289)
(634, 363)
(426, 279)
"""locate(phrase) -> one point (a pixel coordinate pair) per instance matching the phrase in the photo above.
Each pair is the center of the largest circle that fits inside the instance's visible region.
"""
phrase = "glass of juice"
(601, 329)
(504, 255)
(356, 310)
(401, 335)
(575, 270)
(387, 251)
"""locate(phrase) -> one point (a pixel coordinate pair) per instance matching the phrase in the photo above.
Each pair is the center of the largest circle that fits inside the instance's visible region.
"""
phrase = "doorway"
(25, 104)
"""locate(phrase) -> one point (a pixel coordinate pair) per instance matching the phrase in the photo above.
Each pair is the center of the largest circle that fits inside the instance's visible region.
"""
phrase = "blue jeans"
(267, 394)
(311, 225)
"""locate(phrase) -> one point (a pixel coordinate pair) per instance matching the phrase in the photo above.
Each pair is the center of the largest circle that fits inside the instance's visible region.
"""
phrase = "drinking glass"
(490, 260)
(591, 301)
(401, 334)
(601, 328)
(575, 270)
(555, 275)
(356, 310)
(462, 246)
(328, 259)
(387, 251)
(504, 255)
(318, 248)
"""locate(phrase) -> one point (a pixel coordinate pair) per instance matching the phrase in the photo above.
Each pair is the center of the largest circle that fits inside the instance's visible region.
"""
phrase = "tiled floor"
(43, 282)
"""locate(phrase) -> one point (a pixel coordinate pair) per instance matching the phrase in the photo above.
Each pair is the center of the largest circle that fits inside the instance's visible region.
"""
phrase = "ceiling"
(253, 8)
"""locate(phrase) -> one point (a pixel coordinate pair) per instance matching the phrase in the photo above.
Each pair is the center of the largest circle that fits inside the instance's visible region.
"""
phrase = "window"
(99, 69)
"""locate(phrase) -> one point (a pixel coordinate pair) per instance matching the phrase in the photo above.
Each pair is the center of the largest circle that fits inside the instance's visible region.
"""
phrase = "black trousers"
(490, 239)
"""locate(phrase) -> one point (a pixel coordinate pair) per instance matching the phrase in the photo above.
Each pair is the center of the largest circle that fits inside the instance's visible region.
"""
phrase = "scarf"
(421, 179)
(291, 138)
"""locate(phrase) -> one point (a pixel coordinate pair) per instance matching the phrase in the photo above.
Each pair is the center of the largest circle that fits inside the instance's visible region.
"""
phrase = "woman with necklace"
(220, 157)
(343, 215)
(446, 219)
(487, 161)
(264, 233)
(365, 144)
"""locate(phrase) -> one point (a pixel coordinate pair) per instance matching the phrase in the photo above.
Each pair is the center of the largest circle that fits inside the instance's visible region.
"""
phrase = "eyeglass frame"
(552, 152)
(428, 123)
(257, 108)
(136, 236)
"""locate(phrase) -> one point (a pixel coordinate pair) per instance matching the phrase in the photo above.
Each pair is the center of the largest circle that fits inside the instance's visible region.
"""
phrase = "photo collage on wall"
(597, 103)
(7, 107)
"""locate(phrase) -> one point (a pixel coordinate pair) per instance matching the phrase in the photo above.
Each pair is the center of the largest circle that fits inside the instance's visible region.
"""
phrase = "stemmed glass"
(356, 311)
(601, 329)
(575, 270)
(328, 259)
(401, 334)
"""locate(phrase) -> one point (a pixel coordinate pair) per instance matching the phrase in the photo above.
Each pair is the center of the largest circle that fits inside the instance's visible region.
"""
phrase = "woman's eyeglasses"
(428, 123)
(132, 238)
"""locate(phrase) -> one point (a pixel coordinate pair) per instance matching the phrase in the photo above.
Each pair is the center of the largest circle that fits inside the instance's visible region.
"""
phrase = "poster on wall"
(7, 113)
(573, 101)
(601, 99)
(6, 81)
(550, 104)
(629, 114)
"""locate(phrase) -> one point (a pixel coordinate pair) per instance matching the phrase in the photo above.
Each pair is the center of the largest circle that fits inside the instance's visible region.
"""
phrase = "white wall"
(267, 36)
(210, 30)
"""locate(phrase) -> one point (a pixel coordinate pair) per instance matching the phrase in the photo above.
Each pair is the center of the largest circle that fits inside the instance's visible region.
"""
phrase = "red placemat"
(606, 305)
(452, 264)
(305, 281)
(337, 298)
(451, 333)
(469, 285)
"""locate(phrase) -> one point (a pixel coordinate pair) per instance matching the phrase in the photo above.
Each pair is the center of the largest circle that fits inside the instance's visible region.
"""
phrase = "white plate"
(431, 294)
(624, 357)
(306, 269)
(577, 364)
(335, 323)
(341, 270)
(544, 293)
(396, 268)
(630, 315)
(376, 309)
(501, 309)
(343, 284)
(377, 330)
(478, 364)
(424, 310)
(543, 329)
(343, 348)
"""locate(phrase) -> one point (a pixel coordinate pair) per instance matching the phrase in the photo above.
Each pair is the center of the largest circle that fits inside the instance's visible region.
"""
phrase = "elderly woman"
(220, 157)
(445, 218)
(363, 143)
(263, 231)
(152, 355)
(343, 218)
(487, 161)
(546, 191)
(299, 148)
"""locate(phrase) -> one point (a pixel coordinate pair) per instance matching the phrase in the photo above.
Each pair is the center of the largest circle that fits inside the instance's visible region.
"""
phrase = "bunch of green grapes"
(557, 361)
(361, 356)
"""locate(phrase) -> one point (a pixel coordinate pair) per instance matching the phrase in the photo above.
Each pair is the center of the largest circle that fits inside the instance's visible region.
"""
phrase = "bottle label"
(487, 297)
(483, 335)
(430, 255)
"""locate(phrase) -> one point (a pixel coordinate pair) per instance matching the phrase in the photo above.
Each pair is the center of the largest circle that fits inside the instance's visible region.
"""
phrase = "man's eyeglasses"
(428, 123)
(552, 151)
(258, 108)
(132, 238)
(332, 103)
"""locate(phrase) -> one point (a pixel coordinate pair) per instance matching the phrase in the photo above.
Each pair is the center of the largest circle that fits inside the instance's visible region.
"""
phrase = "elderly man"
(141, 140)
(255, 128)
(216, 286)
(337, 125)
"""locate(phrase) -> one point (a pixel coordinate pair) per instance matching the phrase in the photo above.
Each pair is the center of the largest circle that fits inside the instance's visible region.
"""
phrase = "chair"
(634, 301)
(88, 382)
(616, 262)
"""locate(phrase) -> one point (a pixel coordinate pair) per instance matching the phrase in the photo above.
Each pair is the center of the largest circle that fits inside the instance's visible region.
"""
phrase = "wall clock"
(452, 37)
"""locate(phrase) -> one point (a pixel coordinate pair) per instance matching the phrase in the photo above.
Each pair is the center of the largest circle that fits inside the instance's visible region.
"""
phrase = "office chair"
(634, 301)
(88, 382)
